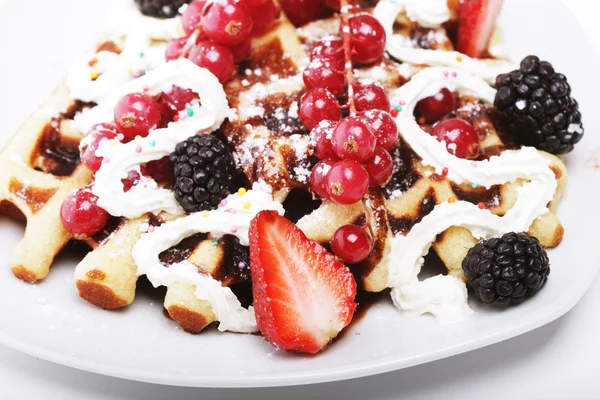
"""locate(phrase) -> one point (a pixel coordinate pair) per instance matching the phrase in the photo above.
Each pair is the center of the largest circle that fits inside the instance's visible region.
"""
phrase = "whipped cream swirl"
(446, 296)
(431, 14)
(120, 158)
(232, 217)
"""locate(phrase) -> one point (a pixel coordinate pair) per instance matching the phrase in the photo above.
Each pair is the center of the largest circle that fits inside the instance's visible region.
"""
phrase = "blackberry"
(160, 8)
(203, 172)
(506, 270)
(539, 108)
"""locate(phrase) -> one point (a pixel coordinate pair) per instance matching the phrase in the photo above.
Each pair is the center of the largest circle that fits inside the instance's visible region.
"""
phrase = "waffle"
(270, 145)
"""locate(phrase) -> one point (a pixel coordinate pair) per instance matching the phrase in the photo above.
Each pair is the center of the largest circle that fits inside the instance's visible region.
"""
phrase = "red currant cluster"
(218, 33)
(134, 116)
(301, 12)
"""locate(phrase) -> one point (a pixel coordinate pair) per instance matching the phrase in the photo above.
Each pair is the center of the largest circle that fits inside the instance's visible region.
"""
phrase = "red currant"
(383, 126)
(433, 108)
(321, 136)
(301, 12)
(81, 215)
(353, 139)
(351, 243)
(241, 51)
(460, 137)
(133, 178)
(317, 105)
(380, 167)
(332, 4)
(318, 177)
(190, 19)
(176, 99)
(370, 96)
(321, 73)
(175, 48)
(159, 170)
(226, 22)
(331, 50)
(91, 142)
(136, 114)
(263, 16)
(367, 37)
(254, 3)
(347, 182)
(215, 57)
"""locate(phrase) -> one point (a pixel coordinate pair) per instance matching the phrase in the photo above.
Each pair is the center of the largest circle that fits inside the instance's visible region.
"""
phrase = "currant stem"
(348, 69)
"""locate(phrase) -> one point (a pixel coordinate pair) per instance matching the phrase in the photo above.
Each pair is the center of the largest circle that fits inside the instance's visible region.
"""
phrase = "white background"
(558, 361)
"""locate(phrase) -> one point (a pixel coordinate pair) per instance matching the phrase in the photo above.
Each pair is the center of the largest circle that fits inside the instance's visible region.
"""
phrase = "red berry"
(460, 137)
(176, 99)
(159, 170)
(175, 48)
(477, 20)
(321, 73)
(353, 139)
(190, 19)
(383, 126)
(370, 96)
(133, 178)
(321, 136)
(351, 243)
(80, 215)
(317, 105)
(136, 114)
(347, 182)
(226, 22)
(263, 16)
(241, 51)
(380, 167)
(318, 177)
(215, 57)
(367, 37)
(301, 12)
(332, 4)
(330, 49)
(433, 108)
(91, 142)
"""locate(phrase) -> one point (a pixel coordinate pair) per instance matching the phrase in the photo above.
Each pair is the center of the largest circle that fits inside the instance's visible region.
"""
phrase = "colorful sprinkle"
(151, 229)
(452, 200)
(445, 73)
(205, 213)
(205, 132)
(241, 191)
(474, 164)
(481, 205)
(459, 58)
(454, 74)
(170, 124)
(93, 62)
(394, 112)
(137, 74)
(474, 186)
(176, 117)
(223, 203)
(215, 242)
(190, 112)
(94, 75)
(138, 149)
(402, 102)
(247, 206)
(233, 211)
(130, 71)
(445, 171)
(137, 137)
(242, 265)
(152, 143)
(142, 54)
(234, 229)
(422, 121)
(398, 108)
(105, 160)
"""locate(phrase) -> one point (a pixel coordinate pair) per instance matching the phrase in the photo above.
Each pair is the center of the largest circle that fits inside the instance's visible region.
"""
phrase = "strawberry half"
(476, 23)
(303, 295)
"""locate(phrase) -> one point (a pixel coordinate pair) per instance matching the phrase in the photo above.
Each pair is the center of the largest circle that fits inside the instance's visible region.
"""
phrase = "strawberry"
(476, 23)
(303, 295)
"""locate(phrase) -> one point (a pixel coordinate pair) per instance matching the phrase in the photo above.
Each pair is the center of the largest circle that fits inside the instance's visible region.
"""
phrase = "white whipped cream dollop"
(121, 158)
(232, 217)
(431, 14)
(446, 294)
(98, 74)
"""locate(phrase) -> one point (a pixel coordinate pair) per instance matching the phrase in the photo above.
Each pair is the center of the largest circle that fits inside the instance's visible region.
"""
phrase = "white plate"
(48, 320)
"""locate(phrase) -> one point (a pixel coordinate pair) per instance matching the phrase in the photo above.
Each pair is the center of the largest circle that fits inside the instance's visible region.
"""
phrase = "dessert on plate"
(267, 161)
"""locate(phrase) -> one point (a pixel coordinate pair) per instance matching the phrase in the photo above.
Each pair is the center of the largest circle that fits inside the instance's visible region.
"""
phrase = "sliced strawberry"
(476, 23)
(303, 295)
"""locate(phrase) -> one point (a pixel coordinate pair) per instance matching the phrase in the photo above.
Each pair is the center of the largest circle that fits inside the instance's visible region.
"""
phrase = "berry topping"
(353, 139)
(192, 15)
(160, 8)
(159, 170)
(380, 167)
(241, 51)
(433, 108)
(347, 182)
(367, 37)
(136, 114)
(321, 136)
(202, 171)
(331, 50)
(215, 57)
(370, 96)
(317, 105)
(81, 216)
(506, 270)
(303, 295)
(539, 108)
(226, 22)
(175, 48)
(322, 73)
(132, 179)
(460, 137)
(263, 16)
(383, 127)
(318, 177)
(351, 243)
(176, 99)
(301, 12)
(91, 142)
(477, 19)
